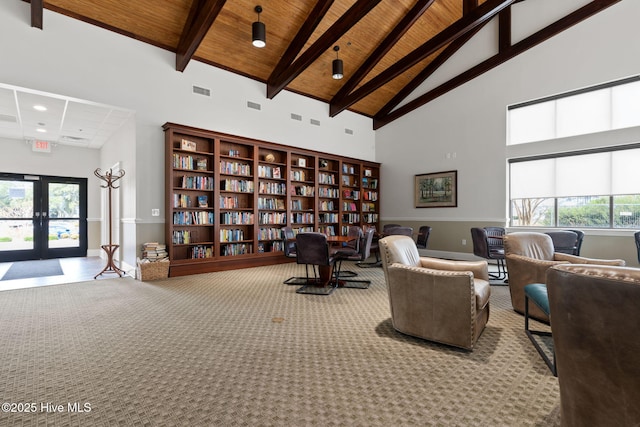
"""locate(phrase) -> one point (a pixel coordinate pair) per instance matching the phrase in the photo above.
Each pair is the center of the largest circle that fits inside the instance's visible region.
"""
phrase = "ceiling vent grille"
(254, 105)
(348, 131)
(201, 91)
(297, 117)
(7, 118)
(315, 122)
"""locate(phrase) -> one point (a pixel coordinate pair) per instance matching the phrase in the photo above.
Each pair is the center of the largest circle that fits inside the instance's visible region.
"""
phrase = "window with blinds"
(598, 189)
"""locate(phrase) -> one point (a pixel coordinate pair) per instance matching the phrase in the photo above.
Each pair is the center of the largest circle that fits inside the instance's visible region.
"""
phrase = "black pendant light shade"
(259, 31)
(337, 67)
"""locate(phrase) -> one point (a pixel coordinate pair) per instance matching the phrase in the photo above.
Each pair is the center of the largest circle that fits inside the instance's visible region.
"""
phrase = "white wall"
(465, 129)
(72, 58)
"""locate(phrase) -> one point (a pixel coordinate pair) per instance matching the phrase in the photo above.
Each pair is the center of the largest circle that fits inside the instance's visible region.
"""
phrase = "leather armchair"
(529, 255)
(438, 300)
(595, 318)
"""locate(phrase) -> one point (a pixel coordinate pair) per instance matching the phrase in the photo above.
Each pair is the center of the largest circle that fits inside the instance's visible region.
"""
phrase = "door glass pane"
(16, 215)
(64, 210)
(64, 200)
(63, 233)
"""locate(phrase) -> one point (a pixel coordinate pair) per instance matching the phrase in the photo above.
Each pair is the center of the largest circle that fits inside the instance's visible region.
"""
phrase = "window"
(609, 106)
(599, 189)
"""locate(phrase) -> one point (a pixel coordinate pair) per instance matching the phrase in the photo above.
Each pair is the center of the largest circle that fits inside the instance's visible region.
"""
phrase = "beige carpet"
(240, 348)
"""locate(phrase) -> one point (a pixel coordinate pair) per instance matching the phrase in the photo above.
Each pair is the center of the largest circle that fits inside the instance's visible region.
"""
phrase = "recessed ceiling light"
(41, 130)
(40, 107)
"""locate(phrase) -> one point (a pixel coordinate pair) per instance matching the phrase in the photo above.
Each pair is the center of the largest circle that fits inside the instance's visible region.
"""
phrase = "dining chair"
(423, 236)
(313, 249)
(362, 254)
(290, 252)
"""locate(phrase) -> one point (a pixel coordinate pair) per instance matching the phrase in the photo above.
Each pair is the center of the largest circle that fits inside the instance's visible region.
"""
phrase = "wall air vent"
(7, 118)
(348, 131)
(73, 139)
(254, 105)
(201, 90)
(297, 117)
(315, 122)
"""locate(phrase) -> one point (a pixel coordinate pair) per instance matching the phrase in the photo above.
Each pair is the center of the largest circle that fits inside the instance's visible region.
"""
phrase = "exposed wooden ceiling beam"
(201, 17)
(311, 23)
(37, 12)
(475, 17)
(533, 40)
(324, 42)
(504, 29)
(383, 48)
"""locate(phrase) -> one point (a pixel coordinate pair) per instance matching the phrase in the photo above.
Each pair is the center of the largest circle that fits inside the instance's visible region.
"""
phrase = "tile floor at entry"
(75, 270)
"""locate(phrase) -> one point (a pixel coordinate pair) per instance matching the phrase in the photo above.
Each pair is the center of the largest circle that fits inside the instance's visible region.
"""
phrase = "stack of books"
(154, 251)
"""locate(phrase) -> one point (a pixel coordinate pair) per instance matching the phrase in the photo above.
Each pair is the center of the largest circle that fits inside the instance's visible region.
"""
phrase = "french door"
(42, 217)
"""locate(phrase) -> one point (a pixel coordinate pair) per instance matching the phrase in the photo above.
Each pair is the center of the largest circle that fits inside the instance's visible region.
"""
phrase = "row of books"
(193, 218)
(270, 203)
(351, 218)
(351, 194)
(368, 207)
(236, 218)
(231, 235)
(229, 202)
(235, 168)
(186, 201)
(272, 188)
(370, 195)
(326, 178)
(349, 206)
(239, 186)
(269, 172)
(189, 162)
(328, 217)
(236, 249)
(333, 193)
(181, 237)
(270, 233)
(303, 190)
(327, 205)
(272, 218)
(370, 183)
(302, 218)
(370, 218)
(329, 230)
(273, 246)
(197, 182)
(201, 251)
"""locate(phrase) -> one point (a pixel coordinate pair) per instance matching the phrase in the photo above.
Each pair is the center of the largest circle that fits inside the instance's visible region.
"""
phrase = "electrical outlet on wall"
(464, 242)
(155, 212)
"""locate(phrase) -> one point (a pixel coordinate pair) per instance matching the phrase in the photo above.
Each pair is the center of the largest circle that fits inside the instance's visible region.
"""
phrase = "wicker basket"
(152, 270)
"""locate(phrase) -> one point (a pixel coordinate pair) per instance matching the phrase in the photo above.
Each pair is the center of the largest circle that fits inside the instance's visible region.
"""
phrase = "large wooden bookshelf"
(228, 198)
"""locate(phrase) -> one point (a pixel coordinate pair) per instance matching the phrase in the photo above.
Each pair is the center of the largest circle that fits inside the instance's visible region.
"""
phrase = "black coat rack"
(109, 178)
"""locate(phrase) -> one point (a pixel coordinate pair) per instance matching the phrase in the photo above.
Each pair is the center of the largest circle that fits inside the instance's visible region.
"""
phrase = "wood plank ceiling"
(388, 48)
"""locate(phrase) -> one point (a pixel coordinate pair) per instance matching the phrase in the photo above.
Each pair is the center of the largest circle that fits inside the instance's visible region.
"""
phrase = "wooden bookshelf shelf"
(228, 198)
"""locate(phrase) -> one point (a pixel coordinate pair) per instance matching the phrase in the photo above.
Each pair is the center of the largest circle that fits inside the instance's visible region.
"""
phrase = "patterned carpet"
(240, 348)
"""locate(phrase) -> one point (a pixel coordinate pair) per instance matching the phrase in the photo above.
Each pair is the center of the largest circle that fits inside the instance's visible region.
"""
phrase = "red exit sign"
(41, 146)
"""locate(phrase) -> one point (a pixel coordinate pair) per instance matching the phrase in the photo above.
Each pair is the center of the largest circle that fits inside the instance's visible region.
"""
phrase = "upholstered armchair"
(529, 255)
(438, 300)
(595, 318)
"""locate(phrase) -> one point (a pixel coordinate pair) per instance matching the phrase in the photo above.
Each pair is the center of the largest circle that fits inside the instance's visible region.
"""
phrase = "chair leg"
(530, 333)
(350, 283)
(377, 263)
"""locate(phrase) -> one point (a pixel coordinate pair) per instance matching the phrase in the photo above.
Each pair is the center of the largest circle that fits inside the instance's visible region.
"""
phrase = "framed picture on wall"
(436, 190)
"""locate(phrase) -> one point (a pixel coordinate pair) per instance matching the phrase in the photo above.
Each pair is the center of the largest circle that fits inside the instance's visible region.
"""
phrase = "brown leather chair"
(430, 297)
(529, 255)
(595, 318)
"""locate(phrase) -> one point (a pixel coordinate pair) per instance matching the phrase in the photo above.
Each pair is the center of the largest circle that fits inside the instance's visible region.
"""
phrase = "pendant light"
(337, 67)
(259, 31)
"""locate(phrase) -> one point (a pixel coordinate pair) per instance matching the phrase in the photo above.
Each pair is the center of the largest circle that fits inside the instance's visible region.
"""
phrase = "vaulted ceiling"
(389, 47)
